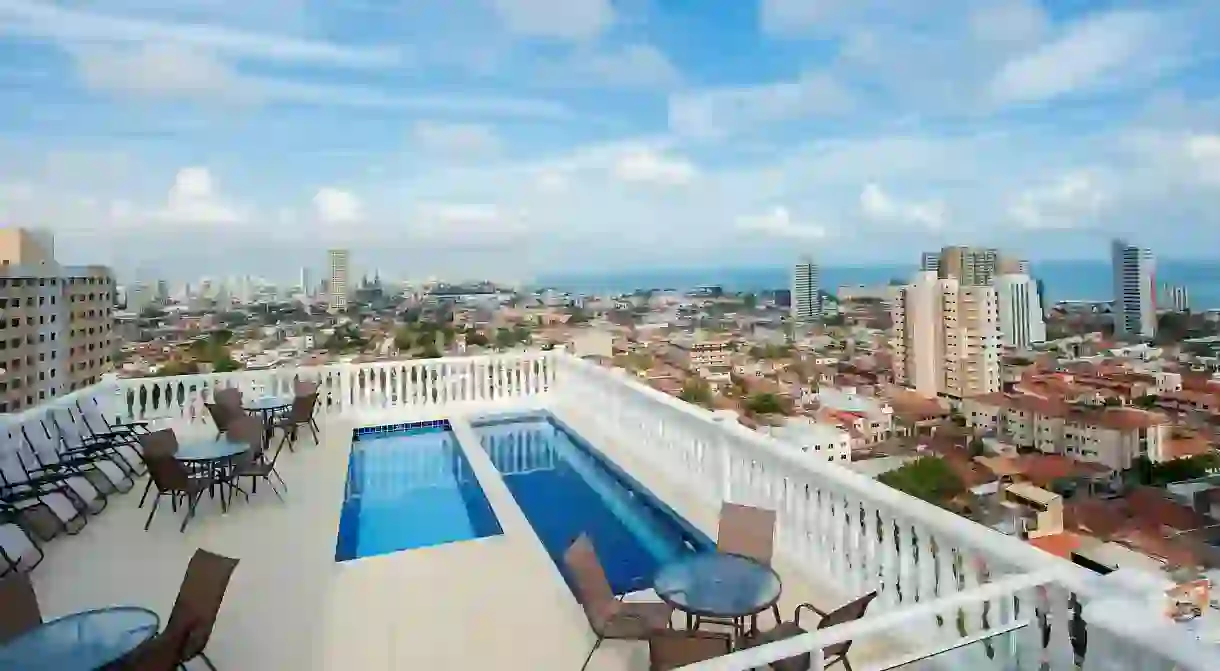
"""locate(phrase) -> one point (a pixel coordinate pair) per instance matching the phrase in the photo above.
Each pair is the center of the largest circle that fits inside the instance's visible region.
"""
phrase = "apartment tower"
(806, 302)
(1134, 271)
(971, 266)
(56, 321)
(946, 337)
(337, 287)
(1020, 309)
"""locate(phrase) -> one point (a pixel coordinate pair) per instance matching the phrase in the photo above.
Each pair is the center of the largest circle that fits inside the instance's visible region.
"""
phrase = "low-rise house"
(814, 438)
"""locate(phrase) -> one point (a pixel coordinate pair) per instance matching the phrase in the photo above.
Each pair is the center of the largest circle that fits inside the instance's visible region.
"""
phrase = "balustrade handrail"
(1011, 550)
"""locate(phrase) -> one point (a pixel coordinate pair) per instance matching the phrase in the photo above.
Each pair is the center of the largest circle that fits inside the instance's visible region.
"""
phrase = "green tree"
(429, 351)
(225, 365)
(404, 338)
(696, 390)
(764, 403)
(577, 316)
(504, 338)
(977, 447)
(1147, 401)
(927, 478)
(477, 339)
(178, 368)
(1144, 472)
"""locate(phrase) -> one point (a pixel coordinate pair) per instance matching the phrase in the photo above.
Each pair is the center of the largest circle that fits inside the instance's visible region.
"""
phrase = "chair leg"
(775, 611)
(156, 500)
(591, 651)
(191, 502)
(147, 488)
(207, 661)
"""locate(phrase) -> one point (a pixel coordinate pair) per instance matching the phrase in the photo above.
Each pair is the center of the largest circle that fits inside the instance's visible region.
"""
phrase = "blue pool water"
(565, 488)
(410, 487)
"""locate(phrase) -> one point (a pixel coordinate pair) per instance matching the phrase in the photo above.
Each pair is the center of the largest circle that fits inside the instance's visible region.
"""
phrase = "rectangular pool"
(565, 487)
(409, 486)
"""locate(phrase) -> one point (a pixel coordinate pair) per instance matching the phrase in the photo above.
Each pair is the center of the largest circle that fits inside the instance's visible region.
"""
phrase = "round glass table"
(267, 407)
(718, 585)
(210, 450)
(81, 641)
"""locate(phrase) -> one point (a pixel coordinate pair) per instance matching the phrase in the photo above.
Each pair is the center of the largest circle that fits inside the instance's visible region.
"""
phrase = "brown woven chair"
(831, 654)
(254, 464)
(609, 617)
(160, 653)
(19, 610)
(164, 443)
(671, 649)
(305, 388)
(229, 397)
(301, 414)
(746, 531)
(223, 415)
(172, 477)
(194, 614)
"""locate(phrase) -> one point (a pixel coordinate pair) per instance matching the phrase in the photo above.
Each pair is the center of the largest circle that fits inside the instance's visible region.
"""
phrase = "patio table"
(83, 641)
(718, 585)
(268, 407)
(213, 455)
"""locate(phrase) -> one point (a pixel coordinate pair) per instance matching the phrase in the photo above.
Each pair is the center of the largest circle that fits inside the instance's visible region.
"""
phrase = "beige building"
(1113, 437)
(1040, 511)
(337, 286)
(56, 322)
(702, 355)
(946, 338)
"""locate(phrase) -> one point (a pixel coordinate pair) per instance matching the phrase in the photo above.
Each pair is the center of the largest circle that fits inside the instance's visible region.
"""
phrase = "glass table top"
(718, 585)
(81, 641)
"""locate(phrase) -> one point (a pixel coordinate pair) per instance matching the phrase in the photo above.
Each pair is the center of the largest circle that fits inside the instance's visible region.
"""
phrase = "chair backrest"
(169, 474)
(249, 430)
(163, 442)
(302, 408)
(305, 387)
(199, 598)
(848, 613)
(747, 531)
(222, 415)
(92, 417)
(672, 648)
(19, 612)
(228, 396)
(592, 588)
(40, 448)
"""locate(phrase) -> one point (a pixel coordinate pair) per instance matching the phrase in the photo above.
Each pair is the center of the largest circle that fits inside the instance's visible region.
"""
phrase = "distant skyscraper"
(929, 262)
(971, 266)
(306, 282)
(1021, 319)
(1134, 271)
(1175, 297)
(806, 306)
(340, 260)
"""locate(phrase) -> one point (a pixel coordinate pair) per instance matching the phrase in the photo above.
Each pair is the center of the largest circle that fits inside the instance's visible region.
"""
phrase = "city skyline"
(507, 137)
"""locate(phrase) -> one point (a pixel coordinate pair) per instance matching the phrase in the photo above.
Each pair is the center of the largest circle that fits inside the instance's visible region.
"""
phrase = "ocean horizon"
(1063, 280)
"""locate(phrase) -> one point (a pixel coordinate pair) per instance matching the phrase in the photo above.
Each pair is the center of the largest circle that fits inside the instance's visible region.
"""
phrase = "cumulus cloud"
(879, 206)
(195, 199)
(1072, 201)
(567, 20)
(646, 166)
(337, 206)
(778, 223)
(715, 113)
(158, 70)
(638, 66)
(1204, 150)
(467, 224)
(456, 140)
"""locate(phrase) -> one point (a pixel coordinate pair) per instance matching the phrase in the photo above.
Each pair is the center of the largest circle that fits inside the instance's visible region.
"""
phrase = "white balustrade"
(943, 582)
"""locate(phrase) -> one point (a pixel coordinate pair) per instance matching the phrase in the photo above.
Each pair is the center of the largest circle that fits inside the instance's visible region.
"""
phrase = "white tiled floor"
(496, 602)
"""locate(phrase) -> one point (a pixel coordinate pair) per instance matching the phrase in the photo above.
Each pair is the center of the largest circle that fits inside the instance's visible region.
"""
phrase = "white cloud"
(1074, 200)
(879, 206)
(337, 206)
(568, 20)
(467, 224)
(1204, 150)
(551, 181)
(778, 223)
(195, 200)
(456, 140)
(44, 20)
(157, 69)
(630, 66)
(716, 113)
(647, 166)
(1009, 22)
(1086, 55)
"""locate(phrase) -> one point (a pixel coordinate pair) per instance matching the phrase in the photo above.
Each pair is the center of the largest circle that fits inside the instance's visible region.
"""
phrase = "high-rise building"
(971, 266)
(929, 262)
(340, 260)
(1175, 297)
(806, 302)
(1134, 309)
(306, 283)
(1020, 308)
(55, 333)
(946, 337)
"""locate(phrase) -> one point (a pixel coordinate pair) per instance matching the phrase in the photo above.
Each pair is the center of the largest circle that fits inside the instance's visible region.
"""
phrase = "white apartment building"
(702, 355)
(806, 303)
(1134, 271)
(873, 417)
(1020, 306)
(818, 440)
(945, 338)
(56, 322)
(340, 260)
(1113, 437)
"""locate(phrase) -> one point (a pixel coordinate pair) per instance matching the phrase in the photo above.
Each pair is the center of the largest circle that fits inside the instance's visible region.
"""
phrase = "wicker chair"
(749, 532)
(163, 443)
(228, 397)
(831, 654)
(19, 612)
(223, 415)
(254, 464)
(172, 477)
(670, 649)
(609, 617)
(301, 414)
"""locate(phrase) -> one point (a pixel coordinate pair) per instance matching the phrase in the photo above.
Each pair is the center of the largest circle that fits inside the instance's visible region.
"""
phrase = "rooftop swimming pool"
(565, 487)
(410, 486)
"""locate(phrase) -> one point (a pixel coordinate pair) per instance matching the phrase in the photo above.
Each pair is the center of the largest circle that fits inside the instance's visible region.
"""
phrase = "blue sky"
(512, 137)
